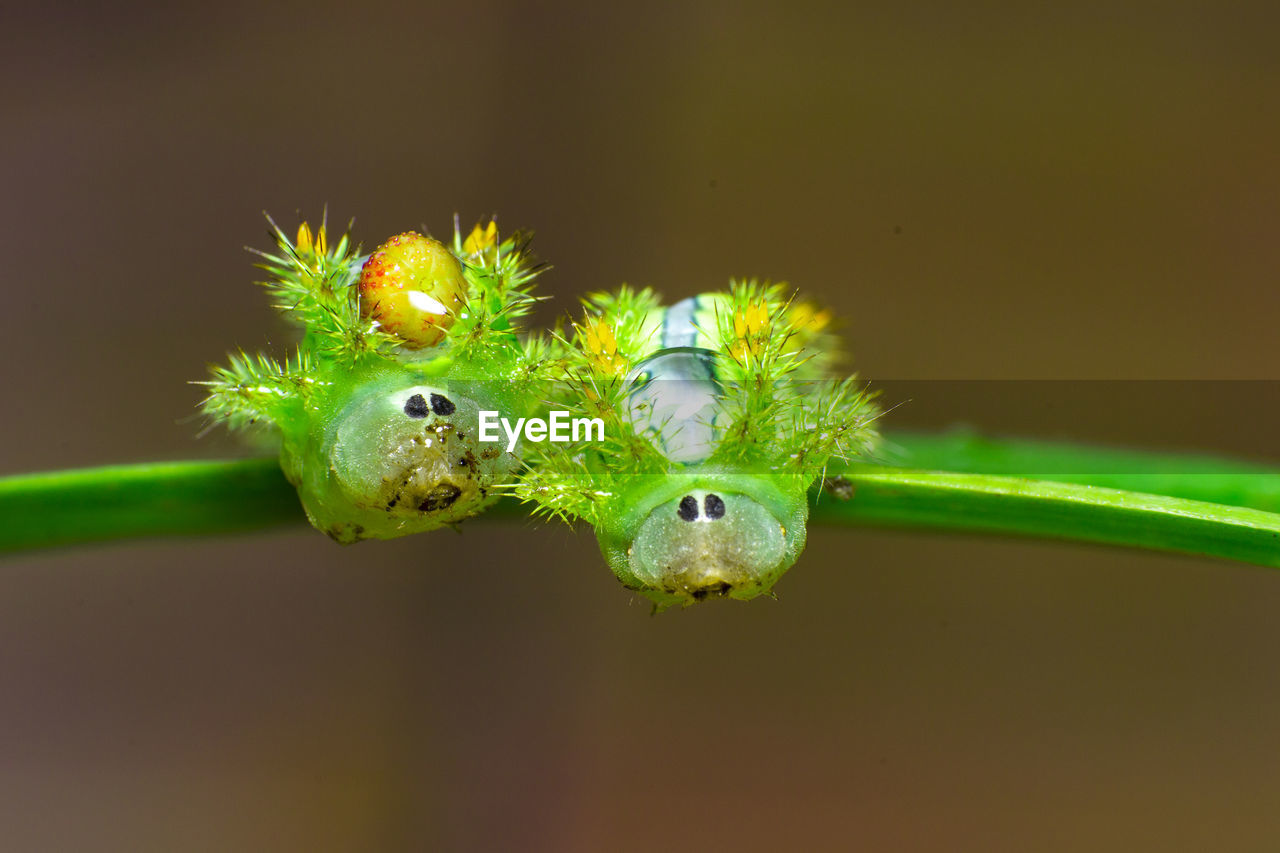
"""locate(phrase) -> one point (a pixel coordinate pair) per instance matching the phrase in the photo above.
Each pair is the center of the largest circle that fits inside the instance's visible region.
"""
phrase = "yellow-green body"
(377, 414)
(720, 413)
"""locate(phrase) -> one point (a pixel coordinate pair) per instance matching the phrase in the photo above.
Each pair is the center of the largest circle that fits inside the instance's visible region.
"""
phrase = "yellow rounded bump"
(413, 287)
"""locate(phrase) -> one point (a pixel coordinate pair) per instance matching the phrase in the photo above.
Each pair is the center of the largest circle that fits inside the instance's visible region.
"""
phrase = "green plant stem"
(1199, 477)
(983, 503)
(1193, 504)
(130, 501)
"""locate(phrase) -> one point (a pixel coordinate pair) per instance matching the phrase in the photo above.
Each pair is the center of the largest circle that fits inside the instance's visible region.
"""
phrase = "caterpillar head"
(720, 536)
(402, 457)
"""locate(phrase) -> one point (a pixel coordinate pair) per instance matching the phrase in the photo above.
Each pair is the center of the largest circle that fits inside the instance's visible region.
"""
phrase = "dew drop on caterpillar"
(377, 420)
(721, 411)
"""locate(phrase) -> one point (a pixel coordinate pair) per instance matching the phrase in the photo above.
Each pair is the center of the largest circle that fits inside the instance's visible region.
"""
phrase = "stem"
(131, 501)
(1194, 504)
(1197, 477)
(940, 500)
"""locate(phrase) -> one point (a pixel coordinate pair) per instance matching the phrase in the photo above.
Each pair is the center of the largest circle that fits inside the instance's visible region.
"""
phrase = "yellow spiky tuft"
(600, 346)
(481, 239)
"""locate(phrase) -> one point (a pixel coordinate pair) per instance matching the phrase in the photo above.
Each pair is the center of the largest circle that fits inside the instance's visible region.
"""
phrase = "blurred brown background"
(983, 190)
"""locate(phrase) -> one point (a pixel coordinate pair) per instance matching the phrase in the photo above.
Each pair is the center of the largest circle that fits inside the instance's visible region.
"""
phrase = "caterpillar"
(401, 349)
(720, 413)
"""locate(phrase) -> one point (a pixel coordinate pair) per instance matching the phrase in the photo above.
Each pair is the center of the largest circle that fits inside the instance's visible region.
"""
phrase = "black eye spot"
(416, 407)
(441, 405)
(688, 508)
(714, 506)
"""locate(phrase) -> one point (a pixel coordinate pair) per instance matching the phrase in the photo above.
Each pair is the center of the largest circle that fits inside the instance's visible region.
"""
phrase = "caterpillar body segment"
(720, 412)
(376, 414)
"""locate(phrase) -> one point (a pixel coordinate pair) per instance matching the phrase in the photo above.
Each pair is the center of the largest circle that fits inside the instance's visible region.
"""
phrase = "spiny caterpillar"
(720, 413)
(400, 351)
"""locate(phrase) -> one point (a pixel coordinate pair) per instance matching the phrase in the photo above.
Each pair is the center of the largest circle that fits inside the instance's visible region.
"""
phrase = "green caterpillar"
(375, 412)
(720, 413)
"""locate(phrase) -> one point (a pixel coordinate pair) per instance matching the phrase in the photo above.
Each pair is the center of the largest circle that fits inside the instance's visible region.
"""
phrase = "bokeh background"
(983, 191)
